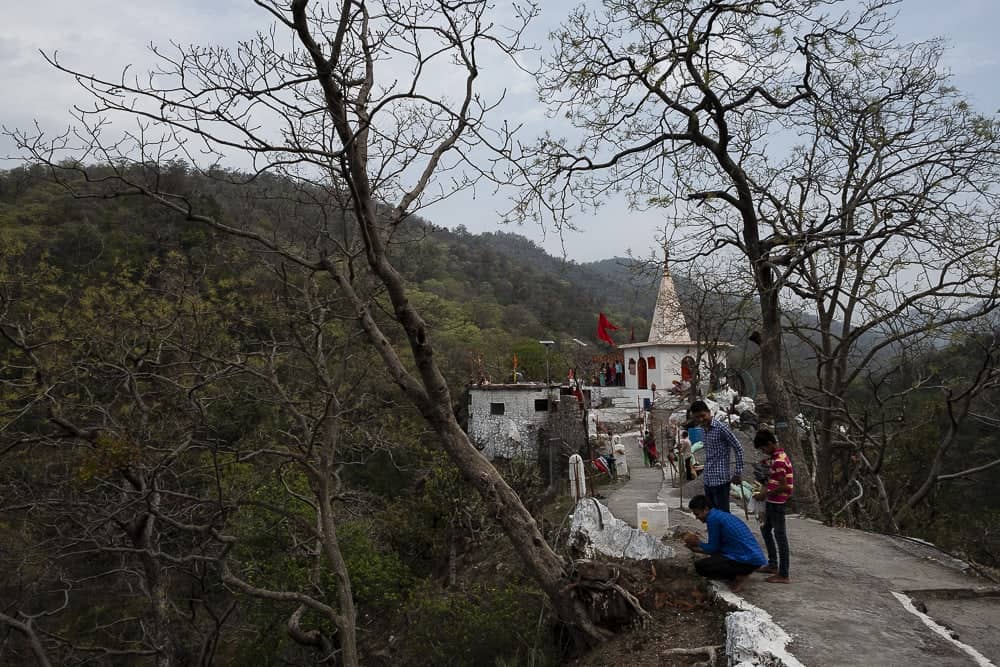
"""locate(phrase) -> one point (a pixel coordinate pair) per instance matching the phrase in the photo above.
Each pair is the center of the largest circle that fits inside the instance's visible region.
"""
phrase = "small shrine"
(667, 359)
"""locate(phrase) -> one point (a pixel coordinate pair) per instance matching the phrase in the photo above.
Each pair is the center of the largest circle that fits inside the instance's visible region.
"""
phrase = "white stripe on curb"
(980, 659)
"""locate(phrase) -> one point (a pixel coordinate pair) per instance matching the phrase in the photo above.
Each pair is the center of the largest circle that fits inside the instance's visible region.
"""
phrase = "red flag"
(602, 329)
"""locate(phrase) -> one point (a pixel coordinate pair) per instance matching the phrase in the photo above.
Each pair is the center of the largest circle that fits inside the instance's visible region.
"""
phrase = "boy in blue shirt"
(733, 550)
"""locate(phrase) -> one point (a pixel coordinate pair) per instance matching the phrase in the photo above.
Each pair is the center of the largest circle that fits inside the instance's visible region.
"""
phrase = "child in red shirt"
(780, 484)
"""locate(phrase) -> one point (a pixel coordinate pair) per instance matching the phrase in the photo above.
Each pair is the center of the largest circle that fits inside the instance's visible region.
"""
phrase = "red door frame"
(687, 368)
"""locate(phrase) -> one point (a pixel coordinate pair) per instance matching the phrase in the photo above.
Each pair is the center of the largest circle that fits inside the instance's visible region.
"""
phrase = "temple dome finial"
(668, 325)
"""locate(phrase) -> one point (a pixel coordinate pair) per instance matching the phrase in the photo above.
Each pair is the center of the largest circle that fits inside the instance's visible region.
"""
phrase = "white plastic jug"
(652, 518)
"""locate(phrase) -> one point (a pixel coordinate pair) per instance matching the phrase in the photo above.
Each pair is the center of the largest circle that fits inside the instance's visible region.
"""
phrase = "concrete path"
(644, 486)
(840, 608)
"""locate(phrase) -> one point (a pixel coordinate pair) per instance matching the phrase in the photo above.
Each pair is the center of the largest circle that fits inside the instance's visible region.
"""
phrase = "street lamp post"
(548, 345)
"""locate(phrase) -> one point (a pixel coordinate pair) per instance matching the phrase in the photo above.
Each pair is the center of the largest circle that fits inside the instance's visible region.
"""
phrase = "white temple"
(669, 354)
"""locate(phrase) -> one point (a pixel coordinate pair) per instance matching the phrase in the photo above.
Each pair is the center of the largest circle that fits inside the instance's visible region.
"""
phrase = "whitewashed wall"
(513, 434)
(668, 365)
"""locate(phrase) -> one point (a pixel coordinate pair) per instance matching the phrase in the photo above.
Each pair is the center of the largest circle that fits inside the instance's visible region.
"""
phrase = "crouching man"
(733, 551)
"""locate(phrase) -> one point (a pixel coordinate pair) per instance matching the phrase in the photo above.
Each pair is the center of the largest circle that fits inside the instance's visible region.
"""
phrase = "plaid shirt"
(718, 440)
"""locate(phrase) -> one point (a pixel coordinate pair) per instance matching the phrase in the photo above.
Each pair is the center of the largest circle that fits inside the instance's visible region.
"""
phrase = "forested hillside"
(230, 401)
(492, 284)
(178, 408)
(182, 411)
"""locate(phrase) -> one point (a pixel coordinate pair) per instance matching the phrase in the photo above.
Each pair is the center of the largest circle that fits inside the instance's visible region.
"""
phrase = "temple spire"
(668, 325)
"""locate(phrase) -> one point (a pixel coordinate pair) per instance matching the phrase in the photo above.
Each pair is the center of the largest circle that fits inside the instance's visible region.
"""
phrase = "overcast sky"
(102, 36)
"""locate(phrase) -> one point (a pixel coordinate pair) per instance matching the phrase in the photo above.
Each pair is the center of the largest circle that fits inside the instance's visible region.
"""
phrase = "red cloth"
(602, 329)
(651, 451)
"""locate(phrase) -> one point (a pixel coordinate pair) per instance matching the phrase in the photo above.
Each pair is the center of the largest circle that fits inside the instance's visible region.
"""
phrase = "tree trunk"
(142, 533)
(432, 398)
(347, 616)
(521, 528)
(771, 373)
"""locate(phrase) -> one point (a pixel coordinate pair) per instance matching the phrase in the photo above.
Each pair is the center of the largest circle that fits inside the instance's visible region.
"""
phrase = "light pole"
(548, 345)
(577, 355)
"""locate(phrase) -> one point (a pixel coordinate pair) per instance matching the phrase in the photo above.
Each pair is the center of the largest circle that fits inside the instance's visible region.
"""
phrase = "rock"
(595, 530)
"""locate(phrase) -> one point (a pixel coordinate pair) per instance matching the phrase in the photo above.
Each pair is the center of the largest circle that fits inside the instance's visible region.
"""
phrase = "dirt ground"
(670, 628)
(683, 616)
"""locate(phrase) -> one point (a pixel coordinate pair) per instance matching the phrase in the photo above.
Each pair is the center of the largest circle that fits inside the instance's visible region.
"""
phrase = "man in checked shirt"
(719, 440)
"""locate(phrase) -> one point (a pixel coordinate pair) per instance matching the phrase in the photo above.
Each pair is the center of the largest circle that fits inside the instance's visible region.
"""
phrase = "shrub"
(379, 579)
(484, 625)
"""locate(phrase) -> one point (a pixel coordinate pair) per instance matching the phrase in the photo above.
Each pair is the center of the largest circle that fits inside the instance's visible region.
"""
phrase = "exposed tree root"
(710, 653)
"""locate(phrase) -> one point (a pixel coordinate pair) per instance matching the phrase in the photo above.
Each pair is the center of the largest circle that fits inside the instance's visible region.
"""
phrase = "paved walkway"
(643, 486)
(841, 607)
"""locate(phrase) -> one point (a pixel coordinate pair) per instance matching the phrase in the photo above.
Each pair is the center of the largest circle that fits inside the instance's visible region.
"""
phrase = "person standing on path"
(649, 447)
(685, 455)
(780, 484)
(718, 441)
(733, 551)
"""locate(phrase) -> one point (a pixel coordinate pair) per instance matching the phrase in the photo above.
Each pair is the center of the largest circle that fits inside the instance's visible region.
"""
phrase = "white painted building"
(504, 418)
(669, 354)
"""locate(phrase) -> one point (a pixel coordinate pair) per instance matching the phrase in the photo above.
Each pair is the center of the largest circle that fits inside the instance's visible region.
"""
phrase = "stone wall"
(510, 431)
(561, 436)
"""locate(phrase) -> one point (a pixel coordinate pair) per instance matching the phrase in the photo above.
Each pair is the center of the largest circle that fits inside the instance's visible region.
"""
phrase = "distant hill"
(553, 296)
(502, 288)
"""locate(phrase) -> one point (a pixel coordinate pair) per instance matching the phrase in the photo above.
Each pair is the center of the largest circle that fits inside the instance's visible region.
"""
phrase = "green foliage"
(442, 508)
(108, 453)
(531, 357)
(484, 625)
(137, 317)
(379, 579)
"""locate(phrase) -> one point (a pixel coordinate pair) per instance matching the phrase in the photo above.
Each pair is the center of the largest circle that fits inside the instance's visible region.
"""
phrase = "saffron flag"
(602, 329)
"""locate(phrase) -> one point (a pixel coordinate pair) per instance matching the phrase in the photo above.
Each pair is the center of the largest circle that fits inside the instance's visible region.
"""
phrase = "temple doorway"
(687, 369)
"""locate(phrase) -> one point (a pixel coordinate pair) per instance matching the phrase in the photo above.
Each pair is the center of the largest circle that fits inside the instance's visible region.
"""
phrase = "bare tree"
(97, 442)
(909, 430)
(686, 105)
(959, 398)
(897, 158)
(674, 101)
(380, 102)
(717, 300)
(157, 482)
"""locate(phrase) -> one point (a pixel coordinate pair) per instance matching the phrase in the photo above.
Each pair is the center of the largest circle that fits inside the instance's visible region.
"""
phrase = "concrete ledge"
(752, 636)
(943, 632)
